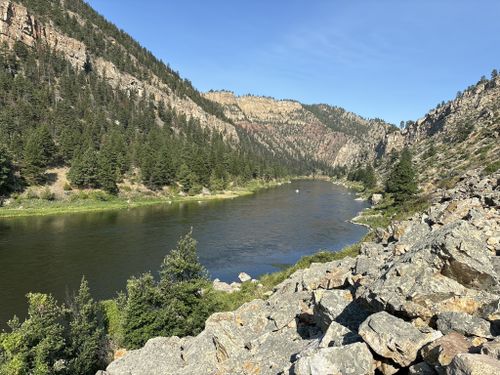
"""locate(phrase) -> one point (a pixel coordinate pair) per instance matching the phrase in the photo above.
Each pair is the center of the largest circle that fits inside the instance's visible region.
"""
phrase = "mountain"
(326, 134)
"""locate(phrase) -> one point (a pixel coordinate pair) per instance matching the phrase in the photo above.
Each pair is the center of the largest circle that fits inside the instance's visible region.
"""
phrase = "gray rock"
(376, 199)
(393, 338)
(492, 348)
(160, 356)
(442, 351)
(353, 359)
(284, 309)
(473, 364)
(463, 323)
(329, 304)
(338, 335)
(243, 276)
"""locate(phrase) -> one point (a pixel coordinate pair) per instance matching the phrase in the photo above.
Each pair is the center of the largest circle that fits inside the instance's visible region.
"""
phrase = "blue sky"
(393, 59)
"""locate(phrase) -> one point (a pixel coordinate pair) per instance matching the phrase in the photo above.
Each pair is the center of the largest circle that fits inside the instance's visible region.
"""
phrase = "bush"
(47, 195)
(492, 168)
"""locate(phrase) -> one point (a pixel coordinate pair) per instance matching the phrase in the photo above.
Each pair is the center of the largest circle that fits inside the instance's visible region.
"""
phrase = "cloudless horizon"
(390, 59)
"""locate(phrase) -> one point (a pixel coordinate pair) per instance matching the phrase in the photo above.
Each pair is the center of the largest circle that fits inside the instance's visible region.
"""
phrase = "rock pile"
(423, 298)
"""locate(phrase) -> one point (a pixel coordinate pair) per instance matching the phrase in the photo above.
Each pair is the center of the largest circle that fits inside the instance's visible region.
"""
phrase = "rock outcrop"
(335, 137)
(423, 298)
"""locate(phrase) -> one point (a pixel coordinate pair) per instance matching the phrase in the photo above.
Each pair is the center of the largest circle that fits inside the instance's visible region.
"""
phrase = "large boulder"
(353, 359)
(473, 364)
(393, 338)
(463, 323)
(442, 351)
(160, 356)
(329, 304)
(338, 335)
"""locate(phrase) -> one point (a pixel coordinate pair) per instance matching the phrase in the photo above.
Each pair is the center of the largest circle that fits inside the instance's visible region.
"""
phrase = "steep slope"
(322, 133)
(459, 135)
(69, 29)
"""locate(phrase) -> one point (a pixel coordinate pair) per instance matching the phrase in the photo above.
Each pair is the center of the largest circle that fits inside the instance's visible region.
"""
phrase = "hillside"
(322, 133)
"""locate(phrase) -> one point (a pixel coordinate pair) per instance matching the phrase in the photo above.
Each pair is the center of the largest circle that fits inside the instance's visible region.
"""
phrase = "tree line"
(54, 115)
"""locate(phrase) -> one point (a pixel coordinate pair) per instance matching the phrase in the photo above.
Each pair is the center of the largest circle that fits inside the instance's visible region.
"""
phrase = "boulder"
(244, 277)
(376, 199)
(329, 304)
(222, 286)
(463, 323)
(442, 351)
(393, 338)
(338, 335)
(473, 364)
(160, 356)
(492, 348)
(353, 359)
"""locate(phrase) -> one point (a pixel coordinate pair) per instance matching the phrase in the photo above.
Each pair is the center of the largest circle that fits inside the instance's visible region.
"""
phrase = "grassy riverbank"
(92, 201)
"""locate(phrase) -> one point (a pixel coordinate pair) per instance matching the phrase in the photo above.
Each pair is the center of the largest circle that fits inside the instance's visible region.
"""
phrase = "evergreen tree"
(142, 315)
(37, 345)
(402, 179)
(369, 179)
(6, 172)
(107, 173)
(35, 157)
(87, 334)
(84, 171)
(182, 263)
(186, 178)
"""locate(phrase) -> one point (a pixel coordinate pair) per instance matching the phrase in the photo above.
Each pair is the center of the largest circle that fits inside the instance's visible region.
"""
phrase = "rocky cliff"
(459, 135)
(326, 134)
(422, 298)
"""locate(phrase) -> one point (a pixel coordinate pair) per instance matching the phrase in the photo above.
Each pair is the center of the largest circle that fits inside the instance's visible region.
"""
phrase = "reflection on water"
(256, 234)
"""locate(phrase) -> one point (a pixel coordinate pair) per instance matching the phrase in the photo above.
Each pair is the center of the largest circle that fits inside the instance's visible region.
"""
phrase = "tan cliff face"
(17, 24)
(288, 126)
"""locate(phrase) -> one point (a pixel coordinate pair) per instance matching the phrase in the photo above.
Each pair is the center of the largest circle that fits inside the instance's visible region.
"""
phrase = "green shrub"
(492, 168)
(47, 195)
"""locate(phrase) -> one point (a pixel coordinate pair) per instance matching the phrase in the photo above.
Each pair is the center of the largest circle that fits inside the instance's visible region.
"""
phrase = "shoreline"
(61, 207)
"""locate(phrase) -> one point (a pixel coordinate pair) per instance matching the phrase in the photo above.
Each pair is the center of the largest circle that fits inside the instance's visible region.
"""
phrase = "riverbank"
(93, 201)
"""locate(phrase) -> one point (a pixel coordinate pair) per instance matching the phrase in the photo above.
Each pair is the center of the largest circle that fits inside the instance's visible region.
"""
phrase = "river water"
(256, 234)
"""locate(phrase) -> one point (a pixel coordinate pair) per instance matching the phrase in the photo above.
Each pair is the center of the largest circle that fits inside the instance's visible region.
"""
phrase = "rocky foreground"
(423, 298)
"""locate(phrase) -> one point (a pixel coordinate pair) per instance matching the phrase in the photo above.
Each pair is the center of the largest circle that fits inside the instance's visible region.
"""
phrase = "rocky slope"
(459, 135)
(326, 134)
(423, 298)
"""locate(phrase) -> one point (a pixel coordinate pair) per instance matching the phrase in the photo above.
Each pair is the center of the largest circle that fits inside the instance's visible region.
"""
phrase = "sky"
(391, 59)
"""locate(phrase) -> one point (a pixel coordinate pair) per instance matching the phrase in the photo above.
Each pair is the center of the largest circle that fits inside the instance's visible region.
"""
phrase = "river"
(256, 234)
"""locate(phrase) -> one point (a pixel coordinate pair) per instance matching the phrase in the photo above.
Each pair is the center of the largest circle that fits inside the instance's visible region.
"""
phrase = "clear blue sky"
(393, 59)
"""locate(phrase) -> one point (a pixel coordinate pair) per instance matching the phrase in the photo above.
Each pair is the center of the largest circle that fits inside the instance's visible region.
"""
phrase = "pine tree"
(107, 173)
(402, 179)
(186, 178)
(37, 345)
(6, 173)
(369, 179)
(87, 334)
(36, 157)
(84, 171)
(142, 318)
(182, 263)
